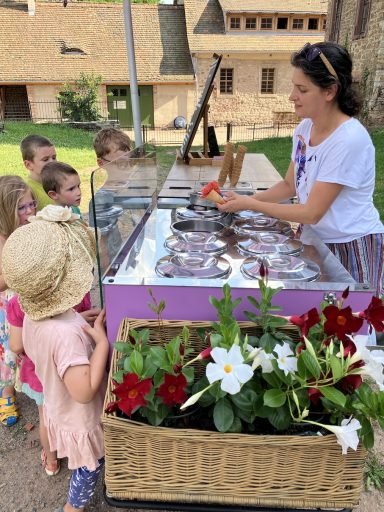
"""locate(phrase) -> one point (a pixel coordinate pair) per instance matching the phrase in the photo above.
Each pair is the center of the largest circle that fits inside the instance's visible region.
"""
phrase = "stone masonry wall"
(247, 105)
(367, 53)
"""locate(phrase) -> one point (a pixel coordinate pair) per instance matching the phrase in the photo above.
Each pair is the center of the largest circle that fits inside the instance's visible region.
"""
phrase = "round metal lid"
(246, 214)
(261, 223)
(195, 242)
(193, 265)
(199, 212)
(269, 243)
(193, 225)
(282, 268)
(107, 213)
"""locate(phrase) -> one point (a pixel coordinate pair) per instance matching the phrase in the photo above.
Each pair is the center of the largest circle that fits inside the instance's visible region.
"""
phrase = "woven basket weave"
(149, 463)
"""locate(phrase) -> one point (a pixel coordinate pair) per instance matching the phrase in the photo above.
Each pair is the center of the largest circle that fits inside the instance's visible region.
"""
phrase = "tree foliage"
(79, 101)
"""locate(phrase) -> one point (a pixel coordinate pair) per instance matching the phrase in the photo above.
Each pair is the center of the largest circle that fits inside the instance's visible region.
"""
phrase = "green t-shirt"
(41, 197)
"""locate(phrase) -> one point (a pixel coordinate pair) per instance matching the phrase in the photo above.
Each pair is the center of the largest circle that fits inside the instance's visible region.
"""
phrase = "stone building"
(359, 26)
(256, 38)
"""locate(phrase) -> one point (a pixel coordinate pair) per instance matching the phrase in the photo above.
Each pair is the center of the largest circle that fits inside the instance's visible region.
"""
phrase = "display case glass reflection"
(124, 192)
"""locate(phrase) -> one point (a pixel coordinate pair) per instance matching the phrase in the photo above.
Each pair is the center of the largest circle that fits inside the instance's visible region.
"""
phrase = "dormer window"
(234, 23)
(313, 23)
(266, 23)
(65, 50)
(297, 23)
(282, 23)
(250, 23)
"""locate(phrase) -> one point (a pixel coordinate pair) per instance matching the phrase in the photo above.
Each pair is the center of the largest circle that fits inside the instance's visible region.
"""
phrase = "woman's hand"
(90, 315)
(236, 202)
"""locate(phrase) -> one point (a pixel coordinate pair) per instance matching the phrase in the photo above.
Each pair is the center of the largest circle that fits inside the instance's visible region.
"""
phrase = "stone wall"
(367, 53)
(247, 105)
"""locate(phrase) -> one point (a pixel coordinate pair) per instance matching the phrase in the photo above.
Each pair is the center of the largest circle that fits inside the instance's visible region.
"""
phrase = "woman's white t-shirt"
(346, 157)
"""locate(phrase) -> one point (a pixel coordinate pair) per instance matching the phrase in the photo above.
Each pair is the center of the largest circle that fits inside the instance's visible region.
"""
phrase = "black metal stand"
(202, 507)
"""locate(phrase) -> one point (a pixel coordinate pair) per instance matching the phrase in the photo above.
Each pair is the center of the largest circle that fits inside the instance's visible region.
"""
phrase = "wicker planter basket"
(149, 463)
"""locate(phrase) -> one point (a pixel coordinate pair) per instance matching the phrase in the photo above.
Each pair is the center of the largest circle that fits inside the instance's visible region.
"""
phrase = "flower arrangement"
(311, 371)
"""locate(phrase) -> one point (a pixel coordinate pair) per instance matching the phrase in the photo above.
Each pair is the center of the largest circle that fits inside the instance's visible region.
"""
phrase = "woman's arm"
(83, 381)
(16, 339)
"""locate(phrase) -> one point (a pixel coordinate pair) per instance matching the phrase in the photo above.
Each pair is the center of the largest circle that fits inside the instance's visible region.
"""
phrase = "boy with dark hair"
(36, 151)
(61, 183)
(110, 144)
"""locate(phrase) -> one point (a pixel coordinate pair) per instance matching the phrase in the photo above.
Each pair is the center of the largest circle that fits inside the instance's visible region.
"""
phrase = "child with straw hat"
(69, 355)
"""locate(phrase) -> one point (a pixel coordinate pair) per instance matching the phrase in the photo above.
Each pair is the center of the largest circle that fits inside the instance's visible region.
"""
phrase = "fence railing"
(50, 112)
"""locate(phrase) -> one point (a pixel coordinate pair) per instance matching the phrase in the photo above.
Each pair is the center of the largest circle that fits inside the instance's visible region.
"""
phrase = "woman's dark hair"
(347, 97)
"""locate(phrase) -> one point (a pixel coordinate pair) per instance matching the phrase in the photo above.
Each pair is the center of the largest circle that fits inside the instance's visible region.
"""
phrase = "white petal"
(219, 355)
(230, 384)
(234, 355)
(243, 373)
(214, 372)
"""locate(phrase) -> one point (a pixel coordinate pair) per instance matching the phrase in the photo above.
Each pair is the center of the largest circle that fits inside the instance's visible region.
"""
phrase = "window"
(267, 81)
(282, 23)
(266, 24)
(226, 81)
(313, 23)
(362, 19)
(336, 19)
(297, 23)
(250, 23)
(235, 23)
(324, 24)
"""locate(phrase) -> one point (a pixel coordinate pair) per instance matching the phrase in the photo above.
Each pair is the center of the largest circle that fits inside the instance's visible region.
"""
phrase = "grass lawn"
(75, 148)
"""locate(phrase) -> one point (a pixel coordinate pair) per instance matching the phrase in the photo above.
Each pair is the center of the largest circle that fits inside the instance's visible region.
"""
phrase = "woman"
(16, 204)
(332, 169)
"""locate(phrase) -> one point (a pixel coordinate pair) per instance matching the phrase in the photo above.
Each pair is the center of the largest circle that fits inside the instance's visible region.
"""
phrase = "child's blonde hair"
(107, 136)
(30, 143)
(12, 189)
(53, 175)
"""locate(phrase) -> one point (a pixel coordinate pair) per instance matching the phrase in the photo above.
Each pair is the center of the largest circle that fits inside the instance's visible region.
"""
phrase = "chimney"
(31, 7)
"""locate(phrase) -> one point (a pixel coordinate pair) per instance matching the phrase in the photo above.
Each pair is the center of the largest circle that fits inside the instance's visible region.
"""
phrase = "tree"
(79, 101)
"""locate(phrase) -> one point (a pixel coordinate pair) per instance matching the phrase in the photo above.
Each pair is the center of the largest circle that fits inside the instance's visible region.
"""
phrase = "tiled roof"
(30, 46)
(279, 6)
(206, 33)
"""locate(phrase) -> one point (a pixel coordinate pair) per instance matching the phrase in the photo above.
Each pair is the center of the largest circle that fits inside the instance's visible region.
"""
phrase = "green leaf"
(189, 373)
(333, 395)
(136, 362)
(268, 342)
(123, 347)
(274, 398)
(236, 426)
(280, 418)
(366, 433)
(272, 379)
(158, 356)
(336, 368)
(149, 368)
(310, 363)
(244, 400)
(127, 365)
(119, 376)
(223, 415)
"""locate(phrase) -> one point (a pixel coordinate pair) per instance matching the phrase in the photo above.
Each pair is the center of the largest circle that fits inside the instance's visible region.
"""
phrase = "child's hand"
(97, 332)
(90, 315)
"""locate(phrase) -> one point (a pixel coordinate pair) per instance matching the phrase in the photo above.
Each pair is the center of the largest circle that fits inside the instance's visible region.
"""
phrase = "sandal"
(51, 468)
(8, 410)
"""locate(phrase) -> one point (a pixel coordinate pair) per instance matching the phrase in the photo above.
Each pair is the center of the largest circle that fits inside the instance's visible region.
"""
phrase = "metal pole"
(132, 72)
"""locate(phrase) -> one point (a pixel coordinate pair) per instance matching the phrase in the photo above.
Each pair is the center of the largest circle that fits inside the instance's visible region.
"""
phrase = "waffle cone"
(238, 165)
(214, 197)
(226, 168)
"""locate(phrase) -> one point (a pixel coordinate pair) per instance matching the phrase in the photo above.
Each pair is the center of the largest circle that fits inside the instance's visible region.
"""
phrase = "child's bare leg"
(49, 459)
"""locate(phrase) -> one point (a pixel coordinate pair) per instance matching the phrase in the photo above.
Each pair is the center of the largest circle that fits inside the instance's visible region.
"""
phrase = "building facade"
(359, 26)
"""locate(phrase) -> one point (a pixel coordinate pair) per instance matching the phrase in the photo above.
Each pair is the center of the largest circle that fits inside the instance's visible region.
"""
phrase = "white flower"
(373, 359)
(346, 433)
(228, 367)
(264, 360)
(285, 361)
(55, 213)
(194, 398)
(375, 370)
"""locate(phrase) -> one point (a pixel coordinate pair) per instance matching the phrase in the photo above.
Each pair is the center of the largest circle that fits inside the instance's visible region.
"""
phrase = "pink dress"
(74, 429)
(31, 385)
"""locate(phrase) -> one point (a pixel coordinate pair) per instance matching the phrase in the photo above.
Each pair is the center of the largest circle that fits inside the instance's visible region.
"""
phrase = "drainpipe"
(132, 72)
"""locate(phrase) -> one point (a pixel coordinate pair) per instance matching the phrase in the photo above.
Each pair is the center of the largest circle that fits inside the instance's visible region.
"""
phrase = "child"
(61, 183)
(36, 152)
(109, 144)
(17, 203)
(69, 355)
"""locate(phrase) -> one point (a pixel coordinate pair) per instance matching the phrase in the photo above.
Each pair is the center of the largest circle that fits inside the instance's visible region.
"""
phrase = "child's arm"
(83, 381)
(16, 339)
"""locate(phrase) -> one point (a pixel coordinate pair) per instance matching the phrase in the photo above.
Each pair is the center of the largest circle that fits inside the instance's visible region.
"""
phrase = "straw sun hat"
(49, 262)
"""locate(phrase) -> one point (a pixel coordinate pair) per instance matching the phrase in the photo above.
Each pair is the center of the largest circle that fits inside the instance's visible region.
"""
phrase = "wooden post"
(205, 131)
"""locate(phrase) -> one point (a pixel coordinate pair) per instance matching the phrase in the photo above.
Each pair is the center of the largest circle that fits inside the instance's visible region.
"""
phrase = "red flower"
(350, 383)
(341, 322)
(314, 395)
(111, 407)
(306, 321)
(131, 393)
(172, 390)
(206, 353)
(374, 314)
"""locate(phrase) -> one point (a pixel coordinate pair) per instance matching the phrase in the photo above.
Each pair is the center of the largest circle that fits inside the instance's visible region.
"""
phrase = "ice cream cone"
(226, 168)
(214, 197)
(238, 165)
